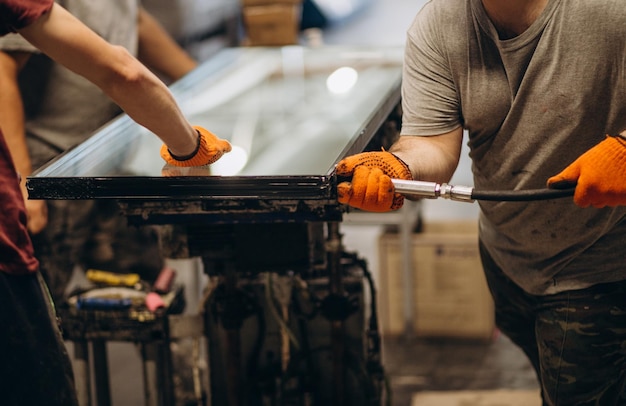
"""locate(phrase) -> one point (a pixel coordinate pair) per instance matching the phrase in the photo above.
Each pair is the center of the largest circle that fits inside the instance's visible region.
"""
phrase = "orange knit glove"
(371, 188)
(210, 149)
(599, 175)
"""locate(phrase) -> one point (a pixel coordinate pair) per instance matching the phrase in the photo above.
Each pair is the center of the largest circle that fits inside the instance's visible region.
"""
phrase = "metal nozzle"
(433, 190)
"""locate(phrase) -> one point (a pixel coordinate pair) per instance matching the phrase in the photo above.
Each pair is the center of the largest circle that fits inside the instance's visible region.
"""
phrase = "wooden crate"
(272, 25)
(450, 294)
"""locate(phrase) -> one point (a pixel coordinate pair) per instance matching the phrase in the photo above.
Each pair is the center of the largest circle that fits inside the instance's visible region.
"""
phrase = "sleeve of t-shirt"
(430, 104)
(16, 14)
(15, 42)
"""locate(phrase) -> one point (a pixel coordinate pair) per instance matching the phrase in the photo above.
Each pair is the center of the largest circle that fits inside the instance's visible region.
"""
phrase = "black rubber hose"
(521, 195)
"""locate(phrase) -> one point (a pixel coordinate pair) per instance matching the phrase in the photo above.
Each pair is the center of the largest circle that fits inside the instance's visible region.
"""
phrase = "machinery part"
(433, 190)
(231, 306)
(335, 307)
(252, 248)
(308, 378)
(282, 295)
(337, 327)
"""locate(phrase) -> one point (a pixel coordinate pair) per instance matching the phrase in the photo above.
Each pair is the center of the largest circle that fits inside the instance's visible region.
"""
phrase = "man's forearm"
(433, 158)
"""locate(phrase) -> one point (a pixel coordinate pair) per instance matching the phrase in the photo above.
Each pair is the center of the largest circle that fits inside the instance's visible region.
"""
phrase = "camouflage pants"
(575, 340)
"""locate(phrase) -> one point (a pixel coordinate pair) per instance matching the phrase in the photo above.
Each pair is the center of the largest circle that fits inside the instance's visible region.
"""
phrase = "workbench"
(270, 205)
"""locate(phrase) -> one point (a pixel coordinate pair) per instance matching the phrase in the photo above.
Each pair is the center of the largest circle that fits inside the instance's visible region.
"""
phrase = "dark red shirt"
(16, 250)
(16, 14)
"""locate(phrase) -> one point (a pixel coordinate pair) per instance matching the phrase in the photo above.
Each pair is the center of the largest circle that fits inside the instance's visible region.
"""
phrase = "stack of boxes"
(271, 22)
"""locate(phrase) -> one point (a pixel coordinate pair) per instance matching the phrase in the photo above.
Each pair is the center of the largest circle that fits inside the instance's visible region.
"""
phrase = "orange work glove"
(210, 149)
(371, 188)
(599, 175)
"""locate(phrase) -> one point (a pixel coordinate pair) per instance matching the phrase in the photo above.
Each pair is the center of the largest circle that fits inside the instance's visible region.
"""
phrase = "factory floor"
(412, 364)
(416, 364)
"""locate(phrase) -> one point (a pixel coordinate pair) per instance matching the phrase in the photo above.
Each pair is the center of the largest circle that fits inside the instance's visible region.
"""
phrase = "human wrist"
(192, 154)
(405, 170)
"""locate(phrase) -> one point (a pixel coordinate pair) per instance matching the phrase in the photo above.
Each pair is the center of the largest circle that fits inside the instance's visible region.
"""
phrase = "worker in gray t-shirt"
(539, 88)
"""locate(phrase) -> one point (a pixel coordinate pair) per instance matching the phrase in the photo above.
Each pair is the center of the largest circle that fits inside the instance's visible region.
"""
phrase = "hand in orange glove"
(371, 188)
(599, 175)
(210, 149)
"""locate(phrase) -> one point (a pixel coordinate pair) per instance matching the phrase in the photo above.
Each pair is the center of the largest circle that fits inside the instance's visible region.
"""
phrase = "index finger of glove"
(559, 183)
(346, 166)
(213, 142)
(566, 179)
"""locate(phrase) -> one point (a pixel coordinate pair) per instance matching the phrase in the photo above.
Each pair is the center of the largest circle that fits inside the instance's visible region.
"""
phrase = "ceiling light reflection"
(342, 80)
(231, 163)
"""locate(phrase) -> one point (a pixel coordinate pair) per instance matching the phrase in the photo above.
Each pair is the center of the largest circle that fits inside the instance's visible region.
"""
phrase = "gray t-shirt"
(531, 105)
(62, 108)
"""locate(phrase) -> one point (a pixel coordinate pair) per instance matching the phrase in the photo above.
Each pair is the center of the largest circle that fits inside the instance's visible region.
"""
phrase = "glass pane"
(288, 112)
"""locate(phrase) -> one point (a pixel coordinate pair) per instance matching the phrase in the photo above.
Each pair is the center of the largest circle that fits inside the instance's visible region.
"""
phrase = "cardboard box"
(273, 25)
(450, 294)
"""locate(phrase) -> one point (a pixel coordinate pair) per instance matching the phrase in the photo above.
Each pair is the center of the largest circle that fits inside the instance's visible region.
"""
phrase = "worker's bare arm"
(433, 158)
(159, 51)
(12, 110)
(122, 77)
(13, 129)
